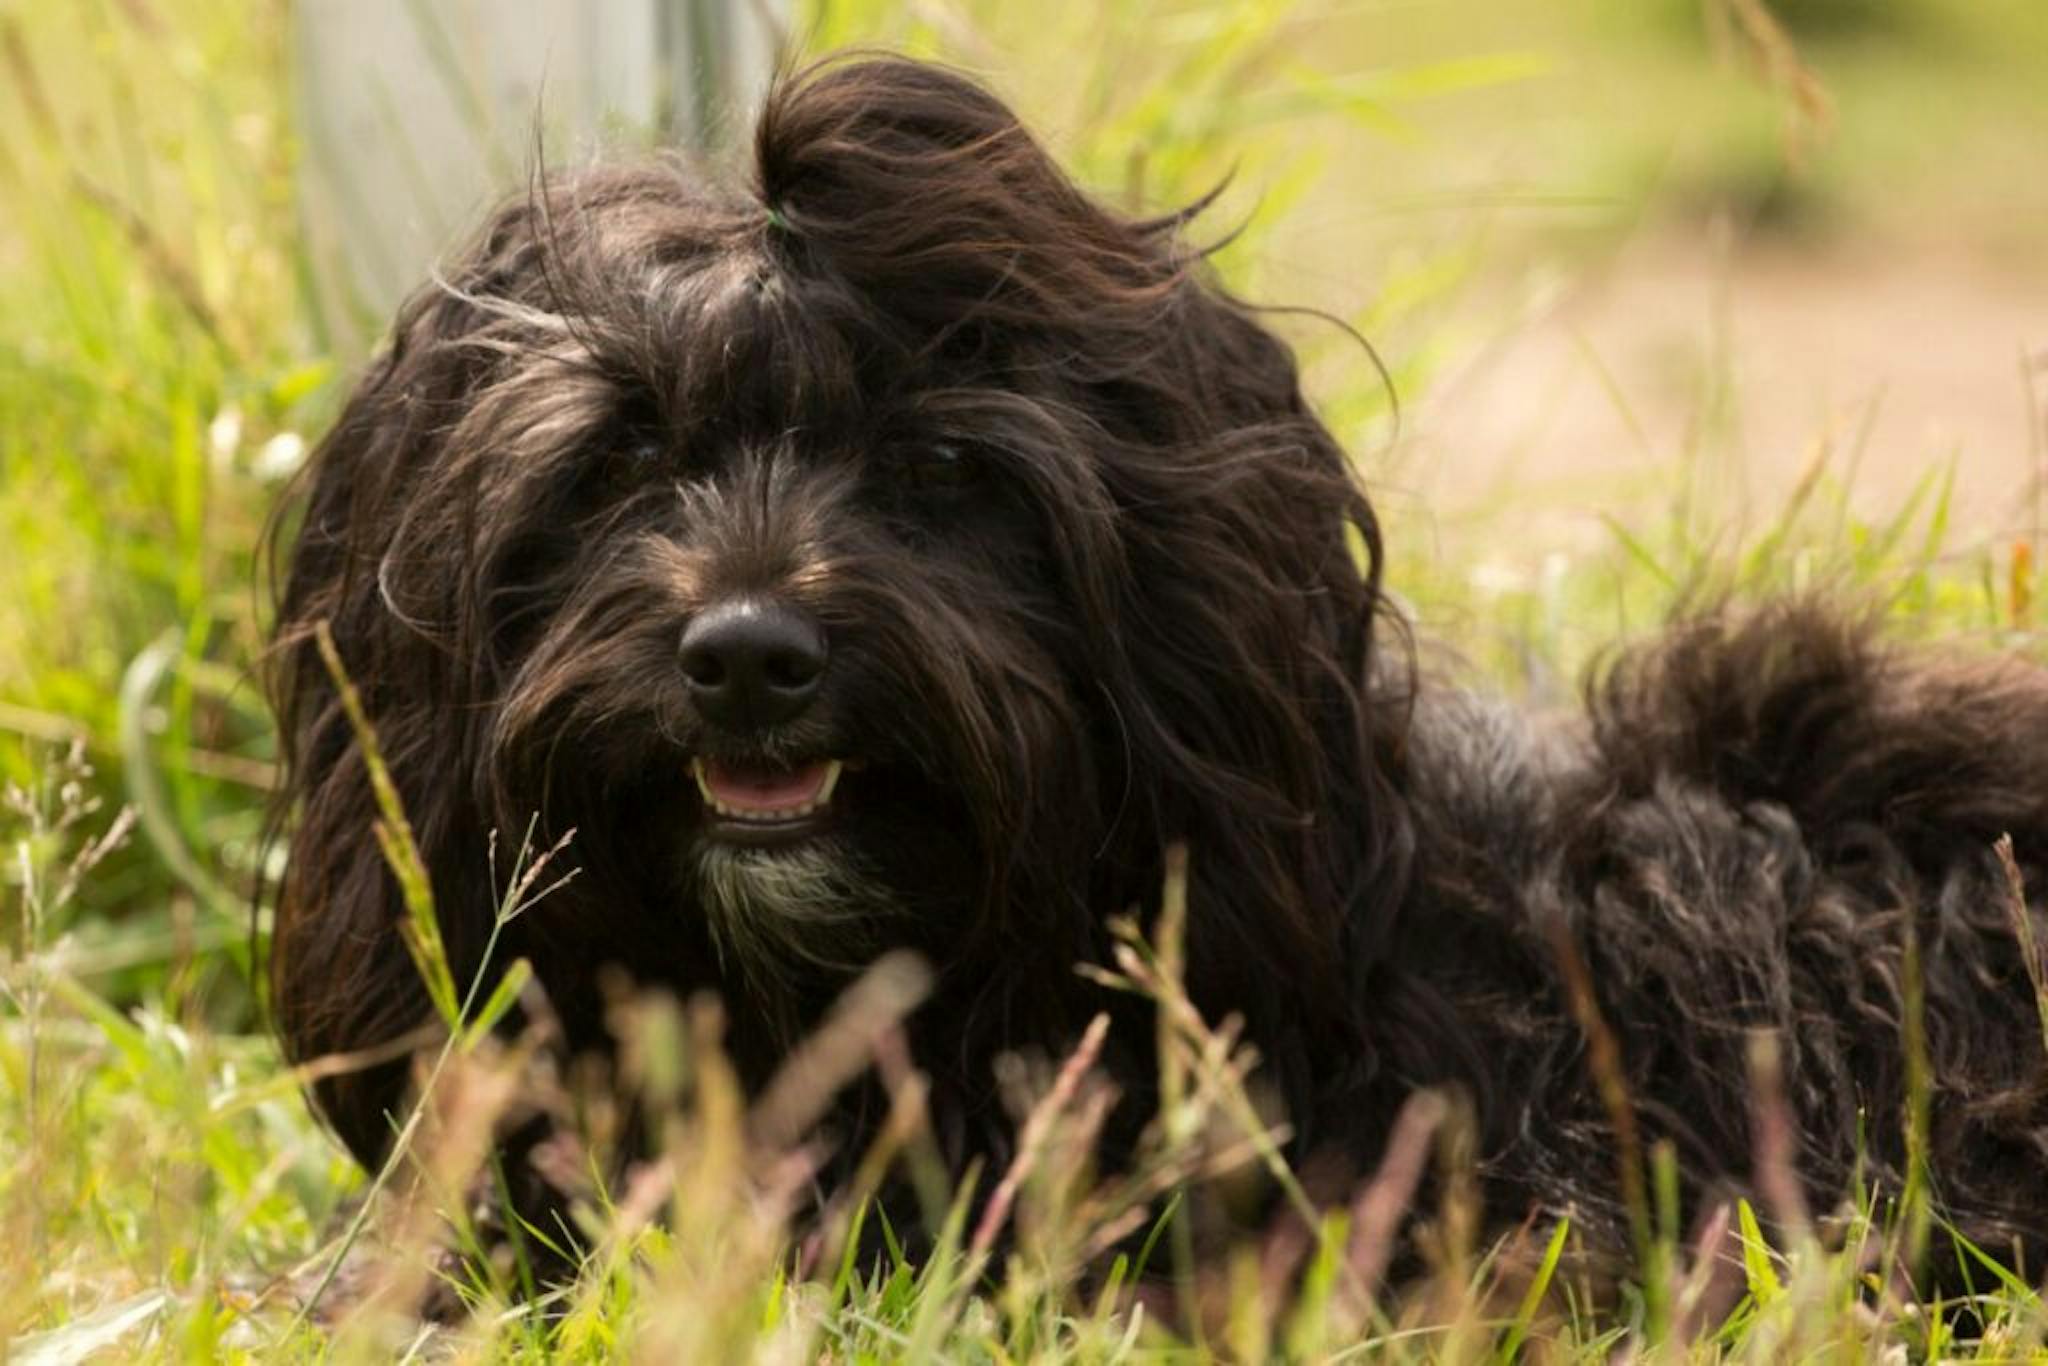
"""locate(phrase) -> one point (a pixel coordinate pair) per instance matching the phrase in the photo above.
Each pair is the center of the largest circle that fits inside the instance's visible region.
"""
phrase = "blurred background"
(1661, 294)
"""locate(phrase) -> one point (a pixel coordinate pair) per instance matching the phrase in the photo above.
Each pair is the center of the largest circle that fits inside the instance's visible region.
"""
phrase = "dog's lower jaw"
(806, 911)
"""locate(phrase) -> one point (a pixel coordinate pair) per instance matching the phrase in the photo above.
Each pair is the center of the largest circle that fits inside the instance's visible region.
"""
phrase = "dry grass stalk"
(2023, 929)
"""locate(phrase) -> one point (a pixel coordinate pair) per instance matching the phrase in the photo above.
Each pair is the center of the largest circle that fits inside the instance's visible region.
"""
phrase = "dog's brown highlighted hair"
(1027, 559)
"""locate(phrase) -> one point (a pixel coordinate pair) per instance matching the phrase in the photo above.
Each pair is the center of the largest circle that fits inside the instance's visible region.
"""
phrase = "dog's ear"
(1242, 664)
(340, 981)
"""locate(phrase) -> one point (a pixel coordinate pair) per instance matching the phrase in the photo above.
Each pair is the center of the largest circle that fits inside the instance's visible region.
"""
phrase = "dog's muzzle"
(752, 664)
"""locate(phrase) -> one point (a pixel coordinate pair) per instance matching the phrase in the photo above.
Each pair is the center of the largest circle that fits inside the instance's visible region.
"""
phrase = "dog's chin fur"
(1093, 580)
(806, 911)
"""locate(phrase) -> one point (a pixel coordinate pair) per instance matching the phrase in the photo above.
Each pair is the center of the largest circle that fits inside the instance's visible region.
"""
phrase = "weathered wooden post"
(416, 113)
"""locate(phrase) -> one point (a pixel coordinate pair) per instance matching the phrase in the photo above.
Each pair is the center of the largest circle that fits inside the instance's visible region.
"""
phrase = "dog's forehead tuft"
(743, 343)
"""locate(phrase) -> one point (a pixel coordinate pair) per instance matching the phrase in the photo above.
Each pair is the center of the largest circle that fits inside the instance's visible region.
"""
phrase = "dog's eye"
(641, 450)
(628, 455)
(938, 465)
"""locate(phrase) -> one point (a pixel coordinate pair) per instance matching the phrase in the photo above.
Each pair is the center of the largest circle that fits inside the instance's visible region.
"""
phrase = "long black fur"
(1095, 580)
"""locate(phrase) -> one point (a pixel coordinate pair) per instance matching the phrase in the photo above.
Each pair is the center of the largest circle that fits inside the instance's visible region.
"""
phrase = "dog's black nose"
(752, 663)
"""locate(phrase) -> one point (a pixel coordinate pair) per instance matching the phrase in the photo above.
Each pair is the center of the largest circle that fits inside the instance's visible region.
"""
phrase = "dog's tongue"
(750, 788)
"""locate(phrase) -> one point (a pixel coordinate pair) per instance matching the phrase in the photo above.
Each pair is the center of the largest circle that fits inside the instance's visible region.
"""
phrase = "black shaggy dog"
(903, 549)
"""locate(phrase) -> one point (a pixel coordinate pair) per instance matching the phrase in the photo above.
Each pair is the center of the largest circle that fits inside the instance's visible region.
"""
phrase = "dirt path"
(1751, 357)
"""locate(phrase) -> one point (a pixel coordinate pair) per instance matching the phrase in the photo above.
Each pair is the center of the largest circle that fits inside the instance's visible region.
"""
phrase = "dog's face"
(900, 550)
(780, 590)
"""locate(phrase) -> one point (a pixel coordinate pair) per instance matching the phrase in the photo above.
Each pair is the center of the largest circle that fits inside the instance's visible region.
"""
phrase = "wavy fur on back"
(1094, 580)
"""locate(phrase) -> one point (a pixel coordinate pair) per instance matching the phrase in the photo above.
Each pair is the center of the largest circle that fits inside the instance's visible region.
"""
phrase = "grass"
(164, 1193)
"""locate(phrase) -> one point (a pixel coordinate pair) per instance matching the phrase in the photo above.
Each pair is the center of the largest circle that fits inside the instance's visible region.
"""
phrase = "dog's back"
(1770, 824)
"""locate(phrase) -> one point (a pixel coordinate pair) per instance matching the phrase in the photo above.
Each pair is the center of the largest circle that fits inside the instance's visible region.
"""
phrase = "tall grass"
(152, 387)
(164, 1192)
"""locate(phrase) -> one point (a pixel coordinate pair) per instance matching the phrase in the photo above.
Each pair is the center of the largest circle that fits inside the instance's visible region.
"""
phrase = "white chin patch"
(806, 904)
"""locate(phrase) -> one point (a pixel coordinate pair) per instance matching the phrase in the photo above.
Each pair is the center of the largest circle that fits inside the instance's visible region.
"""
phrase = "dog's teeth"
(768, 816)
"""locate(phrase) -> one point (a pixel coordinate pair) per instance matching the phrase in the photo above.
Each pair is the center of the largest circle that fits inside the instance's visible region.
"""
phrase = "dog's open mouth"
(761, 803)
